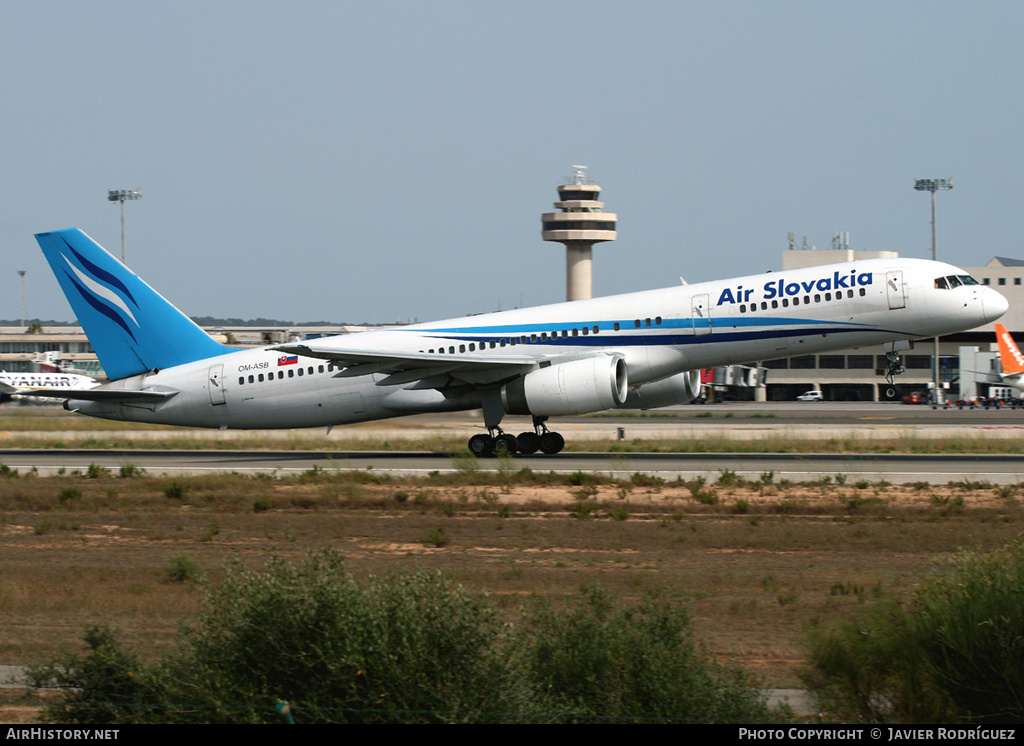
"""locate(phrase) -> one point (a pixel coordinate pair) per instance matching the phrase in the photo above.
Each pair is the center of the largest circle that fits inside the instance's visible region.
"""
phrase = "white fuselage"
(659, 333)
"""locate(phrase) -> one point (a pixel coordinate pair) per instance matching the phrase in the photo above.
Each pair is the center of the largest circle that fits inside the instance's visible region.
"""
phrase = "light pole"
(933, 186)
(120, 195)
(21, 274)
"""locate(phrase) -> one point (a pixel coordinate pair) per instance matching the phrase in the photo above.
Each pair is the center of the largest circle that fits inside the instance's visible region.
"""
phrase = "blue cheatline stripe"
(516, 330)
(614, 339)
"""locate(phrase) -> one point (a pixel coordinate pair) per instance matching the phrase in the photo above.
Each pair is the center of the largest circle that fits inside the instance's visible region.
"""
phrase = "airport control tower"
(579, 225)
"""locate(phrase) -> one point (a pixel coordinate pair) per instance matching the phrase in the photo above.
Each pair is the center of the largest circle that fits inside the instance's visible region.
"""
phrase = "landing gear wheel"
(528, 442)
(551, 443)
(505, 445)
(890, 392)
(481, 445)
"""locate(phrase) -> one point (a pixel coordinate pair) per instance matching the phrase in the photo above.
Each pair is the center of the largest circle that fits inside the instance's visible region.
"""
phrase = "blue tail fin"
(130, 326)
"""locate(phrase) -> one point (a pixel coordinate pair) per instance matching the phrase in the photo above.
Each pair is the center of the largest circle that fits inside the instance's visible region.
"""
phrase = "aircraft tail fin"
(132, 328)
(1009, 354)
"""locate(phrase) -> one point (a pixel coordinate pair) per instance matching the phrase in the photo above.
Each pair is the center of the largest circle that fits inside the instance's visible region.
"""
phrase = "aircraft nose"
(994, 305)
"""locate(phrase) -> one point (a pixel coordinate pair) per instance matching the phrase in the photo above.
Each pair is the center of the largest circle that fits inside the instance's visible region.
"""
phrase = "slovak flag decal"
(288, 360)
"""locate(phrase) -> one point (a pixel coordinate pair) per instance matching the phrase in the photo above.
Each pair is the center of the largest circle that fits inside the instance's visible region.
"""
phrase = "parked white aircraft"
(1011, 358)
(639, 350)
(13, 384)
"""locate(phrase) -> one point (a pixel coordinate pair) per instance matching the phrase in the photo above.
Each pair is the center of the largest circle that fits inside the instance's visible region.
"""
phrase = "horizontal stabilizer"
(111, 396)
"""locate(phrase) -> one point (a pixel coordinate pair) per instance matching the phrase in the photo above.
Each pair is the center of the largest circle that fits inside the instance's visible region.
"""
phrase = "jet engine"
(678, 389)
(589, 385)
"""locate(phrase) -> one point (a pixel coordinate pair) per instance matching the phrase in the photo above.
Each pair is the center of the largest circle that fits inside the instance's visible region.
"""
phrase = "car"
(811, 396)
(915, 397)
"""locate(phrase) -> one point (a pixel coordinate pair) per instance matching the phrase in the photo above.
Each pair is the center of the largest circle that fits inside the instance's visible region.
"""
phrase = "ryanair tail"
(132, 328)
(1009, 355)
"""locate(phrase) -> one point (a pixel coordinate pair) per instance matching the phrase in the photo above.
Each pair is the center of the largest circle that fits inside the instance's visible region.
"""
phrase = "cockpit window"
(954, 281)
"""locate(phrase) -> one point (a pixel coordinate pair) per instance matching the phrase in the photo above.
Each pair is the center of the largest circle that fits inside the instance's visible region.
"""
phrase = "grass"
(110, 556)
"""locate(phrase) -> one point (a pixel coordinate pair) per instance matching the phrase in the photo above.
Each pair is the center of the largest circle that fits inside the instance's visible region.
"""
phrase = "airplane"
(638, 350)
(14, 384)
(1011, 358)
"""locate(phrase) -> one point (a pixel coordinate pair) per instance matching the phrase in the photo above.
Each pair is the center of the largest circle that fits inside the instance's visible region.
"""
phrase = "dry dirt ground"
(758, 563)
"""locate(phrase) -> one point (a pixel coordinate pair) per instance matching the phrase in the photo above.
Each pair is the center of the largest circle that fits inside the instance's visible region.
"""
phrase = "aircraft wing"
(406, 367)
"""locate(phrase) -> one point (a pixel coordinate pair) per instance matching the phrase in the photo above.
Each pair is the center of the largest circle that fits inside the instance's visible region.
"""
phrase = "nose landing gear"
(894, 367)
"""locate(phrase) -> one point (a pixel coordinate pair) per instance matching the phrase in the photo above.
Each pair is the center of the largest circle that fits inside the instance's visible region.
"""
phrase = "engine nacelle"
(678, 389)
(589, 385)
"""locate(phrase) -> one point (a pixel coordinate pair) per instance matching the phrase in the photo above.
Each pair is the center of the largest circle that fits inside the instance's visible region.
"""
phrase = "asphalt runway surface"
(730, 421)
(894, 468)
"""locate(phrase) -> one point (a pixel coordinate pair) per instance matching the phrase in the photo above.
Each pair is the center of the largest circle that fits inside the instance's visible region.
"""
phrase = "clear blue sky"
(376, 161)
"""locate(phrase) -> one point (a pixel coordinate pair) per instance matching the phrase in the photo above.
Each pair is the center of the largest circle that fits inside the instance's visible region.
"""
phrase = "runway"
(893, 468)
(809, 423)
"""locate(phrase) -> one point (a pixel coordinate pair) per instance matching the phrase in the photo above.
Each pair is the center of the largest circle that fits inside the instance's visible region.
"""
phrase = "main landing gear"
(499, 443)
(891, 392)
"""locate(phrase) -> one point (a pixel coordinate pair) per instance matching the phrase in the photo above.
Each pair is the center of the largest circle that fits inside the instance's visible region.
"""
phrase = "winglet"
(132, 327)
(1009, 354)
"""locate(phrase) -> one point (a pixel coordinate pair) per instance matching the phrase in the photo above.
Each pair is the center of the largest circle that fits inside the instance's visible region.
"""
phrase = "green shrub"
(68, 494)
(602, 661)
(129, 470)
(175, 490)
(408, 649)
(182, 568)
(104, 686)
(96, 471)
(953, 652)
